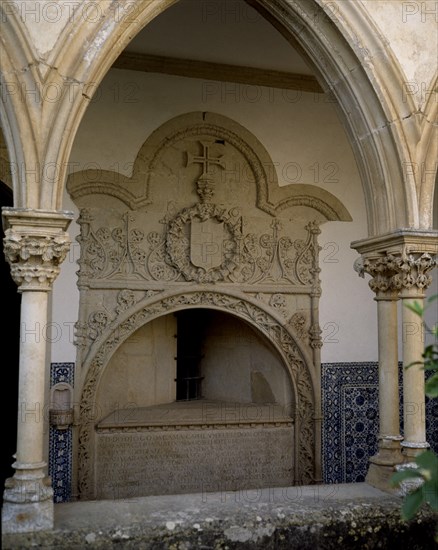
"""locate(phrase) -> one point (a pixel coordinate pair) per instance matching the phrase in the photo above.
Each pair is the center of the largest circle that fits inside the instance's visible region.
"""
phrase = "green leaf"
(430, 350)
(412, 503)
(432, 298)
(430, 366)
(430, 493)
(416, 307)
(431, 386)
(428, 460)
(413, 364)
(431, 355)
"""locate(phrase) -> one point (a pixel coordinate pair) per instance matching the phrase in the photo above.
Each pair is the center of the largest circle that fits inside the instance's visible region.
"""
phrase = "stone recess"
(202, 223)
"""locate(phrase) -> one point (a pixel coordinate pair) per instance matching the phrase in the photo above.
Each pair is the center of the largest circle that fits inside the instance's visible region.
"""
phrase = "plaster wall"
(260, 375)
(409, 28)
(307, 143)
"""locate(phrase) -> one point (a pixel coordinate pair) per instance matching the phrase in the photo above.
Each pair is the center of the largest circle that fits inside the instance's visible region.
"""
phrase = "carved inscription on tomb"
(132, 464)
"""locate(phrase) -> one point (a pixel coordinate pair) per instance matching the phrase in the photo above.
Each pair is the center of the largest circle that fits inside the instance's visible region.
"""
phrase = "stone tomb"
(193, 447)
(202, 223)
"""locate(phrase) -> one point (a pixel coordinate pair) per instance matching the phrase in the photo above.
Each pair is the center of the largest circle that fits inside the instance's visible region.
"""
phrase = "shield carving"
(206, 239)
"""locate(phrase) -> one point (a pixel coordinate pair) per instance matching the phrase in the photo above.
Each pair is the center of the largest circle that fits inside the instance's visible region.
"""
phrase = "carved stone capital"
(35, 245)
(398, 262)
(415, 271)
(392, 273)
(382, 269)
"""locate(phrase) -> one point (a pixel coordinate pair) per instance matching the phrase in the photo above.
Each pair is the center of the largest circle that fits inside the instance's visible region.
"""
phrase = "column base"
(379, 476)
(382, 465)
(27, 517)
(411, 450)
(27, 500)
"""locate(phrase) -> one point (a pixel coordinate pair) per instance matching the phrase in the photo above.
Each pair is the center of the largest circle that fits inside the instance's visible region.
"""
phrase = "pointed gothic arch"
(367, 107)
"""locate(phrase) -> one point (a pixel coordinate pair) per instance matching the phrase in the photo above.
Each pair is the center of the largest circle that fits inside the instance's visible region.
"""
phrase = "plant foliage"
(424, 473)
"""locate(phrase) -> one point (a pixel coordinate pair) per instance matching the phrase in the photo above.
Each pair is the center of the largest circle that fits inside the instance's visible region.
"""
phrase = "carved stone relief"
(397, 271)
(201, 223)
(203, 243)
(247, 310)
(35, 259)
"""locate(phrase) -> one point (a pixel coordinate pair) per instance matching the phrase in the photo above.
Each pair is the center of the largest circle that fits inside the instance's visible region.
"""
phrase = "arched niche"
(296, 363)
(236, 362)
(236, 432)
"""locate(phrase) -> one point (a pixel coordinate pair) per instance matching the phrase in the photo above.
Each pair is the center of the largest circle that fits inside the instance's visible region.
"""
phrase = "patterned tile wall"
(60, 441)
(351, 419)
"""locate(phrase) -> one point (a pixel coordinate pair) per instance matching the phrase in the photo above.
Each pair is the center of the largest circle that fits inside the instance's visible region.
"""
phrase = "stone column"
(35, 244)
(398, 263)
(414, 280)
(383, 269)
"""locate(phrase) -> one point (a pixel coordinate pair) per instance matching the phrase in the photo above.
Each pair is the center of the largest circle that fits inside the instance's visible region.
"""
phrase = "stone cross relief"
(206, 236)
(205, 183)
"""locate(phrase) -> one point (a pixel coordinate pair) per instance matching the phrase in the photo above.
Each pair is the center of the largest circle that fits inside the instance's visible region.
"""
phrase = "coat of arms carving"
(206, 243)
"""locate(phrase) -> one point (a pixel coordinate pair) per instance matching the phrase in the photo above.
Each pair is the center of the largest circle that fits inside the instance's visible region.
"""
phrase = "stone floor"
(339, 516)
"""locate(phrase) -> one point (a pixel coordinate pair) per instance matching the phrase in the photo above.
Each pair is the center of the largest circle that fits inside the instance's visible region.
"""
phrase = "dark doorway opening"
(11, 341)
(191, 326)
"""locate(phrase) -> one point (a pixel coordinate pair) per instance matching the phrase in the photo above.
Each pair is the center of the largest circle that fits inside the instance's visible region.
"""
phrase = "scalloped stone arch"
(83, 183)
(298, 365)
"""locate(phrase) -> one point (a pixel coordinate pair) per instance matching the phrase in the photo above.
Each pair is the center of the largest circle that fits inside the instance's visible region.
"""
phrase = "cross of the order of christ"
(205, 160)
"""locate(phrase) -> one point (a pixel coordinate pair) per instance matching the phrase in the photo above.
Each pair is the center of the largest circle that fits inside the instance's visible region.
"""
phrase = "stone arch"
(16, 112)
(299, 366)
(427, 148)
(134, 191)
(358, 85)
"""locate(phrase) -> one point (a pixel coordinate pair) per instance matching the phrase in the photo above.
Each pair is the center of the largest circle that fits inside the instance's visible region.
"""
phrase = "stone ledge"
(314, 517)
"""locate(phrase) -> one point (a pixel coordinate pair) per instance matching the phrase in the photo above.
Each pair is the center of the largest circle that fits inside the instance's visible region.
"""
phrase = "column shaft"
(414, 408)
(388, 368)
(389, 453)
(400, 265)
(31, 378)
